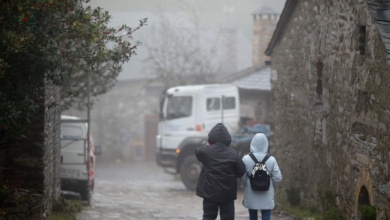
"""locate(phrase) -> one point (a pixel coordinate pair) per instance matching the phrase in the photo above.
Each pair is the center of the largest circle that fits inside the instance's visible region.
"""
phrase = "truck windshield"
(179, 107)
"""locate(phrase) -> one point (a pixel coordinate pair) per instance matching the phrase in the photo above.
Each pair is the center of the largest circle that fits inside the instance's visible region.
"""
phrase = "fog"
(202, 21)
(191, 29)
(119, 118)
(181, 39)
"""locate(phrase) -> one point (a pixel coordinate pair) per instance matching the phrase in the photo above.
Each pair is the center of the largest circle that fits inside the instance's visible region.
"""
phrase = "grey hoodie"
(255, 199)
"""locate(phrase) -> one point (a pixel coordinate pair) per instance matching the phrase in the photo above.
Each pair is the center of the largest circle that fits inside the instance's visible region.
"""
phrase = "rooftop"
(265, 10)
(257, 77)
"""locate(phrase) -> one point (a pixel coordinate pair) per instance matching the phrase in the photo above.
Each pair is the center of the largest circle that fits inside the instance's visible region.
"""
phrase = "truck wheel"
(86, 194)
(189, 172)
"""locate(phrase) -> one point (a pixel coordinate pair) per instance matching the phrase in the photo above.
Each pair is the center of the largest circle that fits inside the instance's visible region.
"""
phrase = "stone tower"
(264, 24)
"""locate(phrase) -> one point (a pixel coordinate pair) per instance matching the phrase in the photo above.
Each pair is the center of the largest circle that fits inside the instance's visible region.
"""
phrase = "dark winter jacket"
(221, 167)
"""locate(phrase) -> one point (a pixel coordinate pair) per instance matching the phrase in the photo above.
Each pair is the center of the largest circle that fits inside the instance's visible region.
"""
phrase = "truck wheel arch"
(190, 171)
(188, 166)
(187, 147)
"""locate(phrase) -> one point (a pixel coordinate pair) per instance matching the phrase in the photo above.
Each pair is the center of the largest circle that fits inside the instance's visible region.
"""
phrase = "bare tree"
(181, 53)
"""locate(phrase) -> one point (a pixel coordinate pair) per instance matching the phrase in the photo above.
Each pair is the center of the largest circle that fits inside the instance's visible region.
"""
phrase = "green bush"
(328, 200)
(4, 192)
(367, 212)
(334, 214)
(65, 209)
(329, 207)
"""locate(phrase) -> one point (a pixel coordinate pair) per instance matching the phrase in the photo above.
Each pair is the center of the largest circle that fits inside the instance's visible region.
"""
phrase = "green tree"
(60, 42)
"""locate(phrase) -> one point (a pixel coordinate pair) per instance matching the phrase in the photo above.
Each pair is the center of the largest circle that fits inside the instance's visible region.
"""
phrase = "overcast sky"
(208, 13)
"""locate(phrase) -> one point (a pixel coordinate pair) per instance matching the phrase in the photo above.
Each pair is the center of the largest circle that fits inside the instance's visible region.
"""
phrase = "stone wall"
(29, 177)
(330, 107)
(52, 151)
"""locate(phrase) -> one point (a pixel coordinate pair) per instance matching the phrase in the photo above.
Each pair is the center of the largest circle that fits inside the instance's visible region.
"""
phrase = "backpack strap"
(253, 157)
(265, 158)
(256, 161)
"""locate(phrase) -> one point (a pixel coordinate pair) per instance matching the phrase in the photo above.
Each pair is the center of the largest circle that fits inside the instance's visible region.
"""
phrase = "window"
(362, 40)
(319, 67)
(214, 104)
(71, 132)
(179, 107)
(229, 103)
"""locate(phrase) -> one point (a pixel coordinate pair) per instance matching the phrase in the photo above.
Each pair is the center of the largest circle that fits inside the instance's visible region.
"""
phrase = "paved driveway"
(141, 190)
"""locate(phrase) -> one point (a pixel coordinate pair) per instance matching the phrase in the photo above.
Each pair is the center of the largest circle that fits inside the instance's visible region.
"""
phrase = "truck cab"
(187, 114)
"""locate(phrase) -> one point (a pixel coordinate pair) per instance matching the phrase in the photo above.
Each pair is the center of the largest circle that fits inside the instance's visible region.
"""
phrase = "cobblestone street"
(141, 190)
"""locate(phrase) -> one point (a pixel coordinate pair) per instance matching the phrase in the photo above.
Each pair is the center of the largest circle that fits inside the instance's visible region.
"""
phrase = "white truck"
(187, 114)
(77, 162)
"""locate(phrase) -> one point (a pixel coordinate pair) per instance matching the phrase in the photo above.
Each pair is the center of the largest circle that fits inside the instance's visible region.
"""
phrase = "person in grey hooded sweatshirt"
(260, 200)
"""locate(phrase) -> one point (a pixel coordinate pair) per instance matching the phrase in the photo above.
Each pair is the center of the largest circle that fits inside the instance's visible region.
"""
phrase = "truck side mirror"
(162, 116)
(98, 150)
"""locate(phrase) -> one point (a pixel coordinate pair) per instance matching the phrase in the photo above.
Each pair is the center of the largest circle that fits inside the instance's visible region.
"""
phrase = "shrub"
(367, 212)
(65, 209)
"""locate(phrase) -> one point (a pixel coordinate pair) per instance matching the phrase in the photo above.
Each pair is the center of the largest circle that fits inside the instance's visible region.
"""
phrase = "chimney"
(264, 24)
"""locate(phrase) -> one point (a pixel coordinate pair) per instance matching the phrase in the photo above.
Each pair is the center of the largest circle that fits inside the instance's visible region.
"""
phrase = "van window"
(179, 107)
(213, 104)
(229, 103)
(71, 132)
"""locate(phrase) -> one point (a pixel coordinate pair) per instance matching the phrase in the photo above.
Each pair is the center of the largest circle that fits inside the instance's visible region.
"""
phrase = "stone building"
(254, 89)
(330, 103)
(254, 82)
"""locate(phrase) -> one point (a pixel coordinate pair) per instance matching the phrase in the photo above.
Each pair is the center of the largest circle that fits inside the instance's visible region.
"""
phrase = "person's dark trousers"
(265, 214)
(210, 210)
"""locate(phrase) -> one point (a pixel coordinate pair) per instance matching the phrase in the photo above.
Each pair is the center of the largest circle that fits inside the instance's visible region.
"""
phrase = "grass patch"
(65, 209)
(283, 205)
(301, 213)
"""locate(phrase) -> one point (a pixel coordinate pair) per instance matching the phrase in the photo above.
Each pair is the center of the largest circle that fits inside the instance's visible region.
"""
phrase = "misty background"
(197, 24)
(184, 42)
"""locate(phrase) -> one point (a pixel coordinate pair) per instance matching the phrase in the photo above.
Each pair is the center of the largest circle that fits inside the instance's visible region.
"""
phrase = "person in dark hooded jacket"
(217, 183)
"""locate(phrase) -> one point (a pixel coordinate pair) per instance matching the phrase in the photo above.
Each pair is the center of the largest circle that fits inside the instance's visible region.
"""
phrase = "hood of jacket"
(219, 134)
(259, 143)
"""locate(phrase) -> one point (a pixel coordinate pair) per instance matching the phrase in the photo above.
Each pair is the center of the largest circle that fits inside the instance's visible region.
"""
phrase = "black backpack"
(259, 177)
